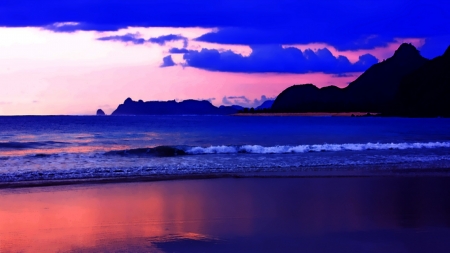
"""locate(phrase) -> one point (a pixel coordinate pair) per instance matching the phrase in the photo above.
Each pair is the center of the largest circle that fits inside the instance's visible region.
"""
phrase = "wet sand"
(349, 214)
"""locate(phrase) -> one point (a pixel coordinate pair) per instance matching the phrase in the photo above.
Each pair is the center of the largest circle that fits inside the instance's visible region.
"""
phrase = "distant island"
(186, 107)
(405, 84)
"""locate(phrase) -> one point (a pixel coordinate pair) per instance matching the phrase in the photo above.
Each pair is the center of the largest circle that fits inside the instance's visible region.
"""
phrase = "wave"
(195, 161)
(162, 151)
(285, 149)
(26, 145)
(98, 171)
(167, 151)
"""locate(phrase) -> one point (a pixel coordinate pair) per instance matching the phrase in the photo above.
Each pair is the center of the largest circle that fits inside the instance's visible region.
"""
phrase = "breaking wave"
(257, 149)
(167, 151)
(186, 161)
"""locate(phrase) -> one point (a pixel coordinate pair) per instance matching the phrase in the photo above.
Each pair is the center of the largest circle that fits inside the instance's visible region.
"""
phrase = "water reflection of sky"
(27, 144)
(291, 215)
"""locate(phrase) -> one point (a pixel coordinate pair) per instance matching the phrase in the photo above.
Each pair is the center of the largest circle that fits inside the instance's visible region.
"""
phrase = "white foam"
(212, 150)
(257, 149)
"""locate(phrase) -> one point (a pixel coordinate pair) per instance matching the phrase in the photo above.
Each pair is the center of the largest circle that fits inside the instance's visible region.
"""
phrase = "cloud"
(252, 36)
(167, 62)
(364, 62)
(347, 25)
(207, 99)
(275, 58)
(259, 102)
(70, 27)
(239, 98)
(244, 101)
(161, 40)
(175, 50)
(343, 75)
(129, 37)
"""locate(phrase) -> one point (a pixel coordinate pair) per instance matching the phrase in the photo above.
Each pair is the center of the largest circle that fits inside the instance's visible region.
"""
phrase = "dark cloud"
(348, 25)
(167, 62)
(161, 40)
(275, 58)
(343, 75)
(129, 37)
(69, 27)
(339, 39)
(175, 50)
(364, 62)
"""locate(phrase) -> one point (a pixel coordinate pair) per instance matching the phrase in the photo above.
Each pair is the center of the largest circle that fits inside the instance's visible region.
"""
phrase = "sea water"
(86, 147)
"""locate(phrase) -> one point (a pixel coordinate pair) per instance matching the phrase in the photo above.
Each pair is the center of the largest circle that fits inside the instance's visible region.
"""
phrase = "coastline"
(313, 173)
(308, 114)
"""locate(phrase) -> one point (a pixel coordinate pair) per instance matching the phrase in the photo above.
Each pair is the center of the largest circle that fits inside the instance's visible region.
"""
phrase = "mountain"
(266, 105)
(377, 87)
(309, 98)
(373, 91)
(189, 107)
(426, 91)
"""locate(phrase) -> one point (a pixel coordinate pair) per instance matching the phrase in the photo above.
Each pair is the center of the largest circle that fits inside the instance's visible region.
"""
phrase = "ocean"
(52, 148)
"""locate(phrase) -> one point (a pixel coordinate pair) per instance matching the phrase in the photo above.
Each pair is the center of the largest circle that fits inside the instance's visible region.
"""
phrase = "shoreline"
(310, 114)
(411, 172)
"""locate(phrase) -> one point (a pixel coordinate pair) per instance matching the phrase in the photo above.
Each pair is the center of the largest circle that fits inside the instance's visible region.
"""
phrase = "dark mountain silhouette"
(375, 88)
(266, 105)
(426, 91)
(373, 91)
(193, 107)
(100, 112)
(309, 98)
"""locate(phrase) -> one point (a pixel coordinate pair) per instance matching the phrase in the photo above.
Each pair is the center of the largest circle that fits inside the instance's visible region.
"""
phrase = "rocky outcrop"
(100, 112)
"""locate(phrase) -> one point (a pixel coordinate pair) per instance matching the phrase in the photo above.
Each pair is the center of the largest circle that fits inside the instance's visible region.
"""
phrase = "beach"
(310, 214)
(224, 184)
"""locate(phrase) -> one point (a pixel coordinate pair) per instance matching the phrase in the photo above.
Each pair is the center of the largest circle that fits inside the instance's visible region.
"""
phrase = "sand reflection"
(63, 218)
(143, 216)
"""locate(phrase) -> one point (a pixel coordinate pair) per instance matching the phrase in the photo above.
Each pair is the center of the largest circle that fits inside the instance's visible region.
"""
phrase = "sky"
(76, 56)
